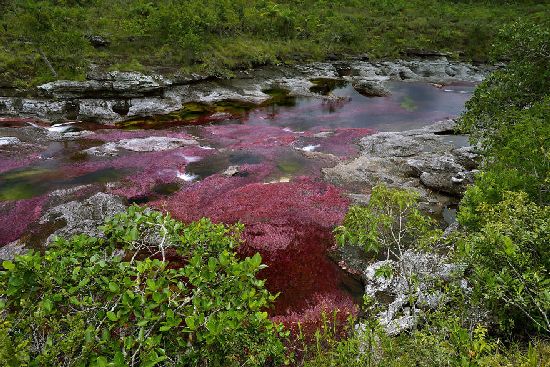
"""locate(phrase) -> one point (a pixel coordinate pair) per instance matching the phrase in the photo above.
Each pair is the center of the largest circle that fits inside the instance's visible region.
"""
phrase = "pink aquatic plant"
(16, 216)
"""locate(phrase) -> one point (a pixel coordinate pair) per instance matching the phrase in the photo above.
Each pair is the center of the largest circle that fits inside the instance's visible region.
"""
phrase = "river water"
(261, 166)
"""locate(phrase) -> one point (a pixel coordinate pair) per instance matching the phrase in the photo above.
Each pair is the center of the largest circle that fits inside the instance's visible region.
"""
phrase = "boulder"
(395, 291)
(422, 160)
(83, 217)
(98, 41)
(371, 88)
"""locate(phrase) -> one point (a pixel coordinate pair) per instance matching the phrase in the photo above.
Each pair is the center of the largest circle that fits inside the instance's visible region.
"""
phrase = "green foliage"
(391, 221)
(509, 118)
(510, 258)
(152, 291)
(441, 341)
(218, 35)
(524, 82)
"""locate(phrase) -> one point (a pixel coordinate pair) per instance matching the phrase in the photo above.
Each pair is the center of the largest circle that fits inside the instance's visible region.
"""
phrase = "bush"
(391, 221)
(510, 259)
(152, 291)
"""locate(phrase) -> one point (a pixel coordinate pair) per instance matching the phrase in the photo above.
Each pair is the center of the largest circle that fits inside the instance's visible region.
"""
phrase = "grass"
(218, 37)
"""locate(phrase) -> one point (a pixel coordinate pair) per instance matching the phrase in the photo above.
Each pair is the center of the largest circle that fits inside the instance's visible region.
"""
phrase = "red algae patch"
(290, 224)
(251, 136)
(16, 216)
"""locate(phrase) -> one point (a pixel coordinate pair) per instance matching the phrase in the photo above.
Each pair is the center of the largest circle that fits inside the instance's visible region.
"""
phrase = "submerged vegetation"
(45, 40)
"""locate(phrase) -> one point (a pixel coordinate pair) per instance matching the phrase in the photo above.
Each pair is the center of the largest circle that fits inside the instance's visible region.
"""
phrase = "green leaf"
(113, 287)
(8, 265)
(112, 316)
(190, 322)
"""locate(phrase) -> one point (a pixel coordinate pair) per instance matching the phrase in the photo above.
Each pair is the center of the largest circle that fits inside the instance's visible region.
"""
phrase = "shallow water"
(275, 186)
(409, 106)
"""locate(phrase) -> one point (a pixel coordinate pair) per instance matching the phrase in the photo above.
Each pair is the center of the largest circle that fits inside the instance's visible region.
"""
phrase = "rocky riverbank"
(110, 97)
(433, 161)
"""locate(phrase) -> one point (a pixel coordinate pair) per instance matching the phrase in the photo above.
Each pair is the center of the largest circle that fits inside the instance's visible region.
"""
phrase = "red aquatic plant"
(16, 216)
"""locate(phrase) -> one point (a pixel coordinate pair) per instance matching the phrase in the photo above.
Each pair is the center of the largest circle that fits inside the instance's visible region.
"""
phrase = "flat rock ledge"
(83, 217)
(149, 144)
(429, 160)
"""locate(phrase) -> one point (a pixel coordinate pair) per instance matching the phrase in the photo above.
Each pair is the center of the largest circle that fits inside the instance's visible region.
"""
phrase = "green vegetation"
(503, 240)
(155, 292)
(391, 222)
(510, 260)
(508, 117)
(152, 291)
(42, 40)
(505, 215)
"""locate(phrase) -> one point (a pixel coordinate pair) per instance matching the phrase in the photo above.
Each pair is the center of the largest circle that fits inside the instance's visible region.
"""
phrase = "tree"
(510, 260)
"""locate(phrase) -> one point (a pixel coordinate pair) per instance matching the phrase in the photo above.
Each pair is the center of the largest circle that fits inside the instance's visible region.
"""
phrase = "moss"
(408, 104)
(191, 113)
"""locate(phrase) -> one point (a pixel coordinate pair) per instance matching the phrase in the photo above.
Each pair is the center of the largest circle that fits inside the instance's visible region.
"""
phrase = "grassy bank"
(214, 36)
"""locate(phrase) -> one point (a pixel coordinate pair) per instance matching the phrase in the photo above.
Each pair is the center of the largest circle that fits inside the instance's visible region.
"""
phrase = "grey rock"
(370, 88)
(116, 85)
(149, 144)
(394, 292)
(140, 107)
(98, 41)
(83, 217)
(9, 141)
(419, 160)
(231, 171)
(11, 250)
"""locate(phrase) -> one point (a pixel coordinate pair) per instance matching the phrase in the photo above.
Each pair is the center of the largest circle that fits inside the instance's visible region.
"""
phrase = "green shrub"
(152, 291)
(391, 221)
(510, 257)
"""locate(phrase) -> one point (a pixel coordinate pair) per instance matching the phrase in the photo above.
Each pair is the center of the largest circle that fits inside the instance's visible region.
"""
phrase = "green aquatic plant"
(408, 104)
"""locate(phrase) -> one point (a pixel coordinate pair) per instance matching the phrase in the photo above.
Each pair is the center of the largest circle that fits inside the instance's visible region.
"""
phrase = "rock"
(9, 141)
(393, 292)
(420, 160)
(370, 88)
(83, 217)
(98, 41)
(9, 251)
(394, 144)
(231, 171)
(115, 96)
(149, 144)
(117, 85)
(97, 110)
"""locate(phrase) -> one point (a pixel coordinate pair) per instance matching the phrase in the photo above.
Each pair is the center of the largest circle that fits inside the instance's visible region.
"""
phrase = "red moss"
(16, 216)
(250, 136)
